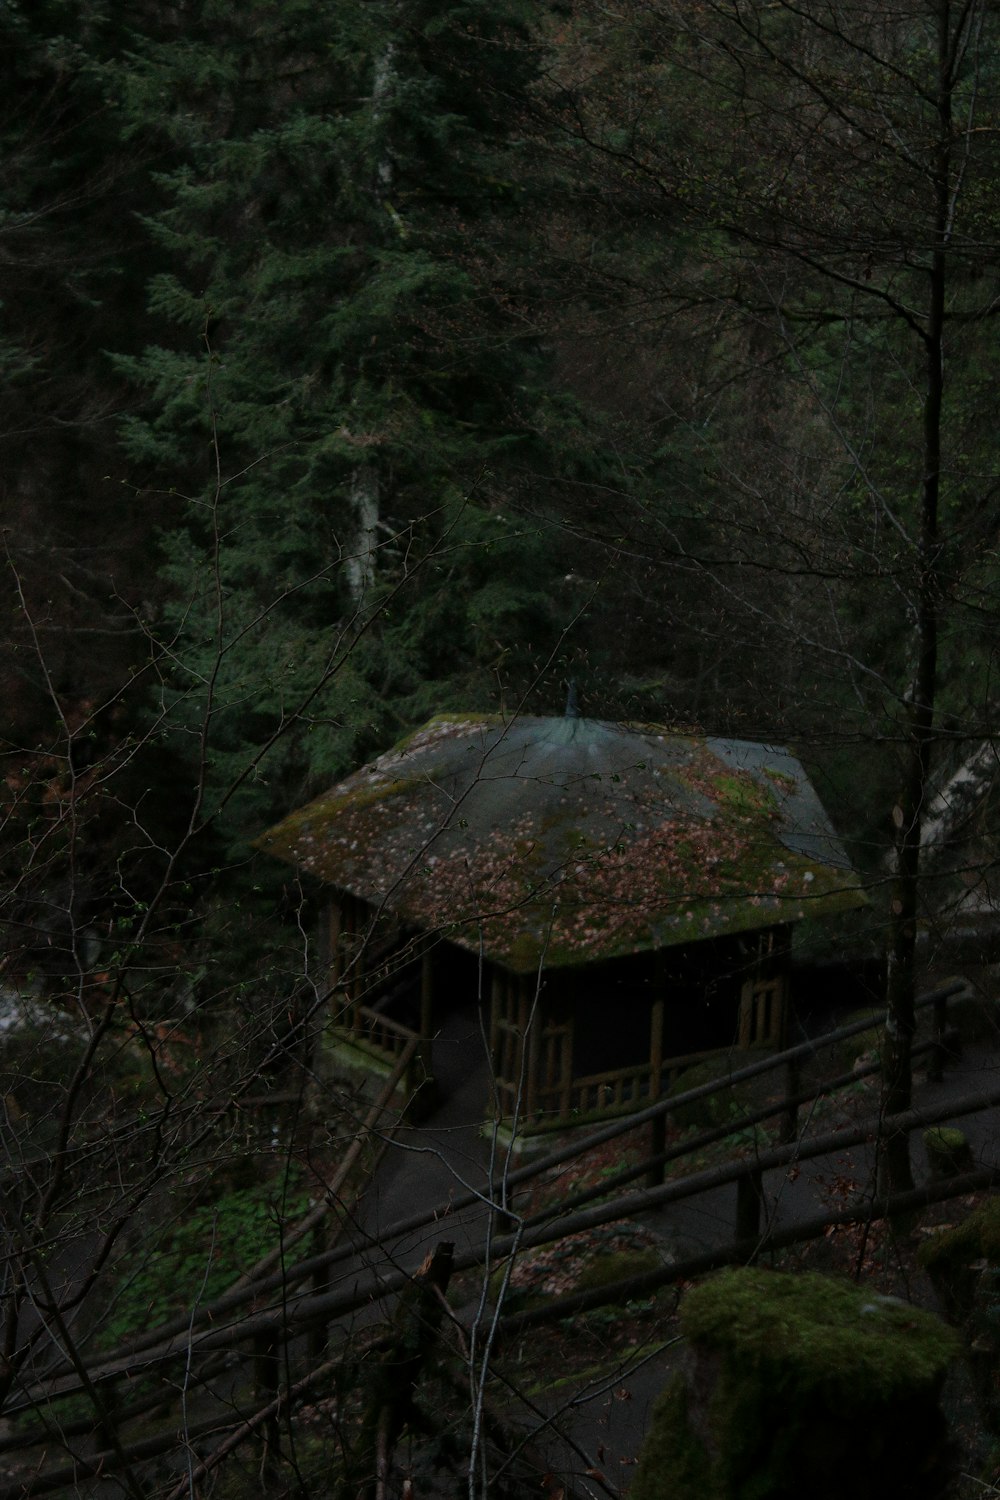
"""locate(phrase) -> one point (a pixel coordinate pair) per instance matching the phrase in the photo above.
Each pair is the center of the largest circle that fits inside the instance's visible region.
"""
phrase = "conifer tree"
(69, 190)
(348, 387)
(839, 165)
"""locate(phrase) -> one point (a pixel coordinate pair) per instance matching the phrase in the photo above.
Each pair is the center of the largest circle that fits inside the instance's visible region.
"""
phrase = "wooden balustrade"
(617, 1091)
(391, 1037)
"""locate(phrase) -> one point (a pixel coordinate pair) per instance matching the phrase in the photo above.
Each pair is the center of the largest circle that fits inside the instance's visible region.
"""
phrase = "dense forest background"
(365, 361)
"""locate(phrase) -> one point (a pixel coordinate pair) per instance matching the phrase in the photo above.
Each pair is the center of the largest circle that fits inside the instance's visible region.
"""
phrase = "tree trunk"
(895, 1172)
(364, 498)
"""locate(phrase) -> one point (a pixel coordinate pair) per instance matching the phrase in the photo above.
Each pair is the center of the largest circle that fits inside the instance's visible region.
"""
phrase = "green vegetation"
(198, 1253)
(826, 1336)
(614, 1266)
(781, 1361)
(369, 362)
(948, 1152)
(963, 1262)
(729, 1105)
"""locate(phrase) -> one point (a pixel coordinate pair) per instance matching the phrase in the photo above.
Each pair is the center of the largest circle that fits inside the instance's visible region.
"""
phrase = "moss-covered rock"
(800, 1385)
(729, 1105)
(606, 1269)
(674, 1461)
(864, 1047)
(963, 1262)
(948, 1152)
(955, 1258)
(974, 1018)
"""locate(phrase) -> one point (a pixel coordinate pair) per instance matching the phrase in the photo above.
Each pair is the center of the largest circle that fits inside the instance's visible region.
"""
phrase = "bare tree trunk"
(365, 486)
(364, 502)
(918, 729)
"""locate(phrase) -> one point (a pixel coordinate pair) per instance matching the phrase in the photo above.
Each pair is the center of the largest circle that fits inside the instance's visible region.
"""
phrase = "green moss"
(841, 1056)
(604, 1270)
(783, 1366)
(964, 1265)
(813, 1333)
(945, 1137)
(673, 1462)
(745, 795)
(948, 1152)
(730, 1105)
(955, 1258)
(317, 816)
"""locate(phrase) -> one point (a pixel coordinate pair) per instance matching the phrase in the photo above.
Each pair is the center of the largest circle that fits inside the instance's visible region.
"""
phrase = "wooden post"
(320, 1280)
(656, 1175)
(427, 1010)
(265, 1373)
(746, 1013)
(569, 997)
(530, 1027)
(497, 1038)
(656, 1046)
(935, 1065)
(789, 1128)
(783, 957)
(393, 1376)
(749, 1191)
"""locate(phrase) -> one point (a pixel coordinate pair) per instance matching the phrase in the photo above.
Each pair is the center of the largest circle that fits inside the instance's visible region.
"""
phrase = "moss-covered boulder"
(855, 1051)
(800, 1385)
(956, 1257)
(729, 1105)
(948, 1152)
(963, 1262)
(974, 1019)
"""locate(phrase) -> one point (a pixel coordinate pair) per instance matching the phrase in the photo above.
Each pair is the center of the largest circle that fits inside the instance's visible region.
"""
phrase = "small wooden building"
(617, 899)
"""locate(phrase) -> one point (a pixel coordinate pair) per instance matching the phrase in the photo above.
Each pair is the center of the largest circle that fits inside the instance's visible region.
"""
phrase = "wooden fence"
(274, 1305)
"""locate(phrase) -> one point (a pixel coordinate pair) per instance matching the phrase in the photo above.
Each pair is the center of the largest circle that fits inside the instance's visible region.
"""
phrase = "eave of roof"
(561, 842)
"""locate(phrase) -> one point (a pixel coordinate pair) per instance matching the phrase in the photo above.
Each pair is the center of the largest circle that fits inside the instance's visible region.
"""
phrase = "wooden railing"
(275, 1313)
(391, 1037)
(618, 1091)
(621, 1091)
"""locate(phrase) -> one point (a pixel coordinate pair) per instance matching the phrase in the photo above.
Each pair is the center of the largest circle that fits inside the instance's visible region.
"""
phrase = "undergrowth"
(199, 1252)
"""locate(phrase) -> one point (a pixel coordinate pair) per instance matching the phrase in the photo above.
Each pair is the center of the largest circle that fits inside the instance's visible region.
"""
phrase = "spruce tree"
(348, 387)
(69, 189)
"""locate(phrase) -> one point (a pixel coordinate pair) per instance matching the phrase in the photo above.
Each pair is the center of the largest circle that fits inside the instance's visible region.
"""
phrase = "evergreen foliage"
(69, 186)
(350, 391)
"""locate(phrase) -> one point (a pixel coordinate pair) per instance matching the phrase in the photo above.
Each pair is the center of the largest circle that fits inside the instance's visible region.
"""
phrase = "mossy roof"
(568, 841)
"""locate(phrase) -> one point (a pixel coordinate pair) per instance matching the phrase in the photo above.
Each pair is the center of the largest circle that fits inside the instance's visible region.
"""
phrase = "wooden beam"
(656, 1045)
(427, 1008)
(529, 1027)
(336, 957)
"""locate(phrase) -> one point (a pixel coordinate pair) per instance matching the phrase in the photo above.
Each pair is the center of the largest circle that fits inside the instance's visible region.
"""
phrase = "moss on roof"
(569, 841)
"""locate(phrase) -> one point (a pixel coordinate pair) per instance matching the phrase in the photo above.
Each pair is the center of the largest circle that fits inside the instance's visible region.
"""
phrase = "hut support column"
(528, 1024)
(656, 1048)
(658, 1142)
(426, 1010)
(336, 959)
